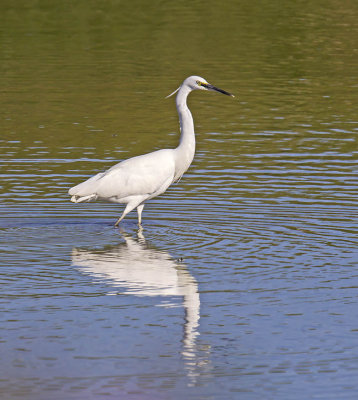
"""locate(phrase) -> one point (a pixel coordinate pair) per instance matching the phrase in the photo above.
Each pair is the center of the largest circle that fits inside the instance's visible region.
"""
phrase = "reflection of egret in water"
(142, 271)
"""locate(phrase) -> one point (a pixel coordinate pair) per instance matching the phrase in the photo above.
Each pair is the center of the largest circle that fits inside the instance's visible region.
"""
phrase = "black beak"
(211, 87)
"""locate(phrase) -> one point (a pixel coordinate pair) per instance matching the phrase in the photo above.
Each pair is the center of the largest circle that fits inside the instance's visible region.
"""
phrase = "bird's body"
(138, 179)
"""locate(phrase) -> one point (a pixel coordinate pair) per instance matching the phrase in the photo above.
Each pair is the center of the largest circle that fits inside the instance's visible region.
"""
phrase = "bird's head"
(198, 83)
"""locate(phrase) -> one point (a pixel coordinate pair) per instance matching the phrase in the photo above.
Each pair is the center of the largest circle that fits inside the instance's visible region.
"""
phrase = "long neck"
(186, 149)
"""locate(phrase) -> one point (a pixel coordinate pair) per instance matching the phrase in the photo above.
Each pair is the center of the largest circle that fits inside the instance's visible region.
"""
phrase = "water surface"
(243, 282)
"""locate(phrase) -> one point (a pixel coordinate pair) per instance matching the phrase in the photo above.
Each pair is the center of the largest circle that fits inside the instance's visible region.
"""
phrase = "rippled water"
(243, 282)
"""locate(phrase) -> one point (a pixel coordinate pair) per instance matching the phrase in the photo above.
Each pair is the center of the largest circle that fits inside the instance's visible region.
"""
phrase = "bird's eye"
(199, 83)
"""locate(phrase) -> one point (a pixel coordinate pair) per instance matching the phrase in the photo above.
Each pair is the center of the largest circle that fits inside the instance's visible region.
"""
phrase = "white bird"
(138, 179)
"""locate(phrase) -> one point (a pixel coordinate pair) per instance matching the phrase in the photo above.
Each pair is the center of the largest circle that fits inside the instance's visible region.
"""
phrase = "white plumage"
(138, 179)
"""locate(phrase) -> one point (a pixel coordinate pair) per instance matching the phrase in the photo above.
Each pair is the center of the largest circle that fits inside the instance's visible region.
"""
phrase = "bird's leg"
(124, 213)
(118, 221)
(139, 211)
(129, 208)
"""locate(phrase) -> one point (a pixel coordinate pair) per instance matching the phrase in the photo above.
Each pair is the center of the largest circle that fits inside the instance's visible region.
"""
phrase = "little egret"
(138, 179)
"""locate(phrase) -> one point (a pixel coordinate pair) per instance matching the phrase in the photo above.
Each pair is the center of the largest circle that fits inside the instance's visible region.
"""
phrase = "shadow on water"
(134, 268)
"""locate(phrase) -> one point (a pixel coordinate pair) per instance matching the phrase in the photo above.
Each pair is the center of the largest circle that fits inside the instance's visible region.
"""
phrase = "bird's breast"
(183, 160)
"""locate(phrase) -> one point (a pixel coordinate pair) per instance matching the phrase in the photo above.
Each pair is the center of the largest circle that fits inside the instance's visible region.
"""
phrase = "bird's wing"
(87, 187)
(143, 175)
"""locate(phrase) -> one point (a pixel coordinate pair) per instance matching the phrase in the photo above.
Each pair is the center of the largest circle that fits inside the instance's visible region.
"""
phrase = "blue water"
(261, 305)
(243, 282)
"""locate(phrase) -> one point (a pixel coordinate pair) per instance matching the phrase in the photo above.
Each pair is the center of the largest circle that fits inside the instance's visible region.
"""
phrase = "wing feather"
(143, 175)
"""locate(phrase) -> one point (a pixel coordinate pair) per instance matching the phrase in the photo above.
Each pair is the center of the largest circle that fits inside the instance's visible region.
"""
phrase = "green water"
(243, 282)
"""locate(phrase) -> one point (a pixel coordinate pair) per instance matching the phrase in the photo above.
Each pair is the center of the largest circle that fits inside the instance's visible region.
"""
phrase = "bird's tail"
(81, 199)
(85, 191)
